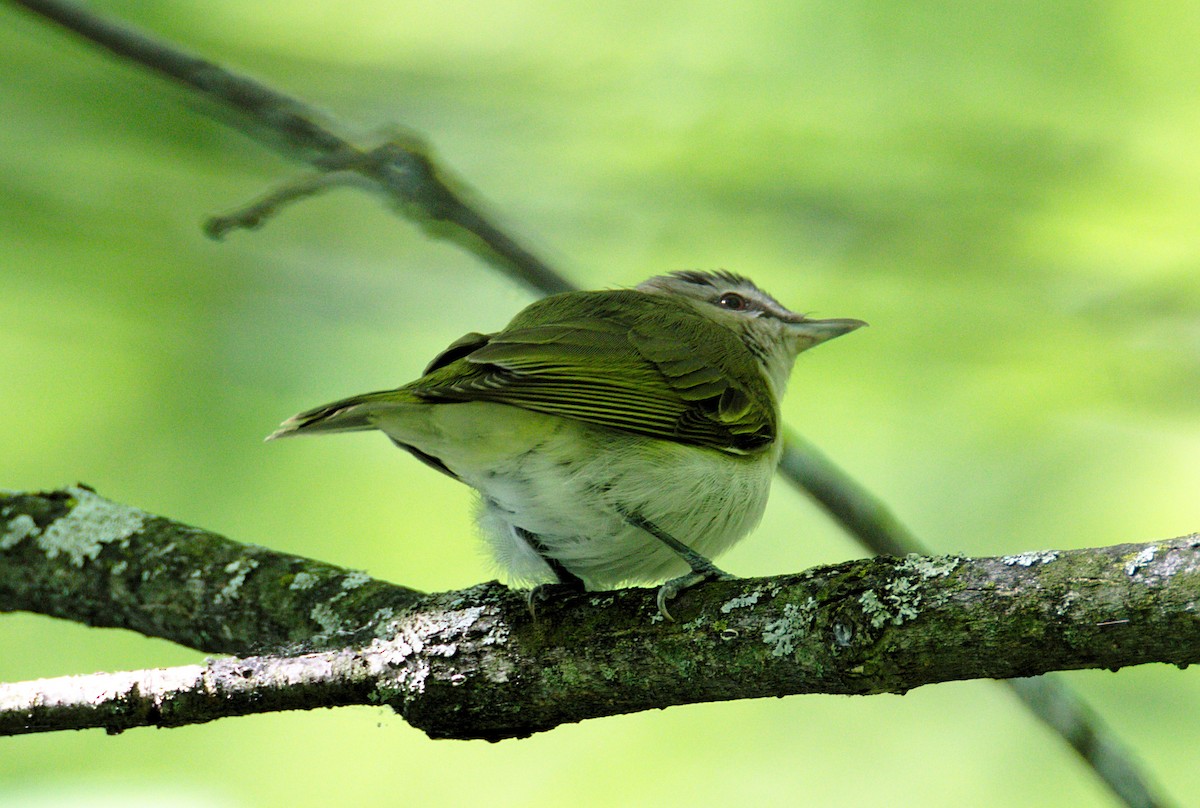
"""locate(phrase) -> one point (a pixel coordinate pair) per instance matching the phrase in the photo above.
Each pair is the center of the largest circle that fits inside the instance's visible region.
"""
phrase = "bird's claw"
(543, 593)
(672, 588)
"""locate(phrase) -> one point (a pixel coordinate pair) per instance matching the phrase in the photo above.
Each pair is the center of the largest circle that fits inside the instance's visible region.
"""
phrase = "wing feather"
(625, 360)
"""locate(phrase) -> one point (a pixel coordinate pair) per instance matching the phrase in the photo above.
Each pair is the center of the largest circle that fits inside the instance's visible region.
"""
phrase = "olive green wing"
(616, 374)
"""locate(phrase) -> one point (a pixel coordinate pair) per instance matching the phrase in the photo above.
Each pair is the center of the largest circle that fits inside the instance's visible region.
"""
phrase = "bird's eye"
(733, 301)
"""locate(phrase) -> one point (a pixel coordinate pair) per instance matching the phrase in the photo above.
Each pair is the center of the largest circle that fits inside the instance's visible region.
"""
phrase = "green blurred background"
(1007, 192)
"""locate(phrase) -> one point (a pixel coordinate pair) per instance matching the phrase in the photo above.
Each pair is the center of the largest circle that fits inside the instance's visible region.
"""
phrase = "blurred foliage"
(1007, 192)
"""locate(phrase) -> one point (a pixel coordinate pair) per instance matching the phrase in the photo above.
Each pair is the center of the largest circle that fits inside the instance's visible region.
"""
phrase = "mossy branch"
(75, 555)
(477, 664)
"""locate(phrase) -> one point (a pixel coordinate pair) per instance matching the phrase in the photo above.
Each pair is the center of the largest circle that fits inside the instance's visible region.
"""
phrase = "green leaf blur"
(1009, 194)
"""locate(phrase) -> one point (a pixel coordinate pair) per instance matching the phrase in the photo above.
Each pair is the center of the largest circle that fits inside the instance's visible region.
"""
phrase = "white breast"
(568, 482)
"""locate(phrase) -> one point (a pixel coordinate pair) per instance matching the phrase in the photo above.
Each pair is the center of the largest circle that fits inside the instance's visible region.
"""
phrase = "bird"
(614, 437)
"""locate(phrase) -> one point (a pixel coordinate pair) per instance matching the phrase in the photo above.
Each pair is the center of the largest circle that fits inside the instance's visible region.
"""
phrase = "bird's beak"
(818, 331)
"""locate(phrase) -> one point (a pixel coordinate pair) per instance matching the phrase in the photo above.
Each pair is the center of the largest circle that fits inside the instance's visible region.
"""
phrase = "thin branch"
(404, 171)
(255, 214)
(476, 664)
(867, 518)
(190, 694)
(402, 168)
(848, 503)
(1060, 709)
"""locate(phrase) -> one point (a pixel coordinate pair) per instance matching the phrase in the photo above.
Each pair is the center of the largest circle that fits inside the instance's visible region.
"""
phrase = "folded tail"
(348, 415)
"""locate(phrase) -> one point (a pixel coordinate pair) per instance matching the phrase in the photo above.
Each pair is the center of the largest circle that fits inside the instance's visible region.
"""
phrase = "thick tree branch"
(78, 556)
(477, 664)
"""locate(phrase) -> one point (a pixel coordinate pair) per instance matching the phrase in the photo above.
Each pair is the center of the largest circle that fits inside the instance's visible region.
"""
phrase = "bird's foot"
(543, 593)
(565, 578)
(700, 573)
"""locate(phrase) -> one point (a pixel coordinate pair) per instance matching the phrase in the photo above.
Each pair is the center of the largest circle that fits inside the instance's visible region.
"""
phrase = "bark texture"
(478, 664)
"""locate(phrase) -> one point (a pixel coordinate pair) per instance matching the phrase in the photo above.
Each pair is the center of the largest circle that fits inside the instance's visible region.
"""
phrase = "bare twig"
(255, 215)
(401, 168)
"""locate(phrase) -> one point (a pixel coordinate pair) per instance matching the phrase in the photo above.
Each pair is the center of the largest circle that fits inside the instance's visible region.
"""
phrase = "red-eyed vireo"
(613, 436)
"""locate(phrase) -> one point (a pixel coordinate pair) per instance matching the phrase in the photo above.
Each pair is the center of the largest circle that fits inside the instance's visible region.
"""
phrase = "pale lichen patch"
(91, 524)
(239, 569)
(498, 635)
(303, 580)
(19, 528)
(355, 579)
(929, 566)
(1144, 557)
(461, 621)
(843, 635)
(1028, 559)
(901, 597)
(784, 634)
(327, 618)
(874, 609)
(1174, 563)
(741, 601)
(385, 621)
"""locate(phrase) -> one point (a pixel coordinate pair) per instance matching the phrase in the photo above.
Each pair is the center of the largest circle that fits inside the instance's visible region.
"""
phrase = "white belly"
(568, 482)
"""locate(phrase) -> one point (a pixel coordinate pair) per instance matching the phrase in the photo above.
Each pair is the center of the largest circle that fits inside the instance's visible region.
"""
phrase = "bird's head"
(774, 334)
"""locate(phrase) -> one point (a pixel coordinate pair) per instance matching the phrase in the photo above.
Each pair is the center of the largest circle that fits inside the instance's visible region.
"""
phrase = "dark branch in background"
(401, 170)
(1054, 703)
(477, 664)
(405, 173)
